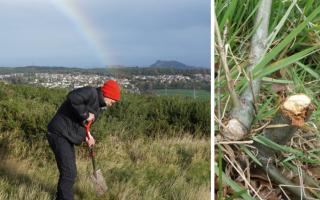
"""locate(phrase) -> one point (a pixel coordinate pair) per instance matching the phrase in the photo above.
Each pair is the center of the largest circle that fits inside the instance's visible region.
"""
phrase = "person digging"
(68, 128)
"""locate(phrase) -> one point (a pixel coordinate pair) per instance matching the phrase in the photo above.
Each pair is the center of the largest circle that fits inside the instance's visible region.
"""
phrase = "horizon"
(107, 66)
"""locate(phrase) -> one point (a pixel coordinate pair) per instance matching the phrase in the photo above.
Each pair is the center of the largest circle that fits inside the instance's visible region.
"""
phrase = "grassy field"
(147, 147)
(199, 94)
(175, 168)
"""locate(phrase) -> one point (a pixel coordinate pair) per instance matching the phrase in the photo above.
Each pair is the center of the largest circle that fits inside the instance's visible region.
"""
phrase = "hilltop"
(170, 64)
(109, 70)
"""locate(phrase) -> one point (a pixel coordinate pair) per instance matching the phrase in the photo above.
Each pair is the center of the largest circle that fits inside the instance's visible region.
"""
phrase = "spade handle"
(92, 155)
(91, 151)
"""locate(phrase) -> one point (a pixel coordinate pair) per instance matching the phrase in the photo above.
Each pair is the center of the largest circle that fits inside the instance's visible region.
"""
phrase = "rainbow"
(89, 32)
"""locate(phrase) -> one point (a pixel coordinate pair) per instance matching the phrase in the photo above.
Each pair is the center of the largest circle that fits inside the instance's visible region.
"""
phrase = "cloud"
(137, 32)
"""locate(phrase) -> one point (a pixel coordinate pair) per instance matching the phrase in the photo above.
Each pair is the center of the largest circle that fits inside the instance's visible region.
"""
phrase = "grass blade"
(276, 50)
(232, 184)
(269, 143)
(309, 70)
(245, 22)
(286, 61)
(250, 154)
(272, 80)
(276, 30)
(228, 14)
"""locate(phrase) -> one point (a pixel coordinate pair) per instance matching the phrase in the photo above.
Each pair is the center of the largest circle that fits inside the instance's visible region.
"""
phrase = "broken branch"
(242, 115)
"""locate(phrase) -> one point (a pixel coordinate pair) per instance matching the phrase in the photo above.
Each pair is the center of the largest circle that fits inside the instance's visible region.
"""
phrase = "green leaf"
(232, 184)
(289, 158)
(286, 61)
(309, 70)
(276, 30)
(245, 22)
(228, 14)
(271, 144)
(264, 111)
(250, 154)
(286, 41)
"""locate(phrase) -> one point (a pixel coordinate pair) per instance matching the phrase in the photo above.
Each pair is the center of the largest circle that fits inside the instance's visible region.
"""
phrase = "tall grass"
(136, 164)
(166, 168)
(289, 66)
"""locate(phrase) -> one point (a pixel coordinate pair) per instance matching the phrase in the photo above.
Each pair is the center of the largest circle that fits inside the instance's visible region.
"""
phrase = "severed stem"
(242, 116)
(223, 58)
(292, 114)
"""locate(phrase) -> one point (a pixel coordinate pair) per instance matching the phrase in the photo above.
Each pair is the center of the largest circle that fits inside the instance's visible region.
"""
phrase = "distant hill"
(170, 64)
(117, 71)
(117, 66)
(48, 69)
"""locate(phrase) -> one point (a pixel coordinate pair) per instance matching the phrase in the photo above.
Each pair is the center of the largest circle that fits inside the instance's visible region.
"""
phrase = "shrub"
(28, 110)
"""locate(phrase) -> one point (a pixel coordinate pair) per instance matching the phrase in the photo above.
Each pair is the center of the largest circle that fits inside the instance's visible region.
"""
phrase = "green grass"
(198, 94)
(147, 147)
(291, 62)
(166, 168)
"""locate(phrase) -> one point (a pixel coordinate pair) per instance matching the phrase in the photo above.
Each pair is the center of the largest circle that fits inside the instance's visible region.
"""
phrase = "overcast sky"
(94, 33)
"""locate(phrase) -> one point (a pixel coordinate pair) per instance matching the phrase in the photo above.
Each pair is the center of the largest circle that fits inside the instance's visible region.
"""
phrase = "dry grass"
(167, 168)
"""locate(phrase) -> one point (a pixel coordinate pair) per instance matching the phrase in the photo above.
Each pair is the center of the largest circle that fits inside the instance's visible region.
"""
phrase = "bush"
(28, 110)
(152, 115)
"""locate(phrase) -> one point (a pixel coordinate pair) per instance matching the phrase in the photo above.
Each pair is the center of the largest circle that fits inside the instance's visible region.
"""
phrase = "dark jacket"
(71, 117)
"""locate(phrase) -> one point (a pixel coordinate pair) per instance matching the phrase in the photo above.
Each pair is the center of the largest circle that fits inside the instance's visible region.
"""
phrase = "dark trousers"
(66, 162)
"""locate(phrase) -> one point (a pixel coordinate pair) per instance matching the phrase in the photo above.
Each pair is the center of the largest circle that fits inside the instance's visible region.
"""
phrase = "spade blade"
(99, 182)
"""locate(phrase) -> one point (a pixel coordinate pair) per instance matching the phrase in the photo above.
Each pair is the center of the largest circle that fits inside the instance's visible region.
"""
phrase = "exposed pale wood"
(299, 104)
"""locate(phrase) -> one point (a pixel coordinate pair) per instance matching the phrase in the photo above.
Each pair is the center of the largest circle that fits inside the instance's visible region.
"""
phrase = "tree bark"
(293, 113)
(242, 115)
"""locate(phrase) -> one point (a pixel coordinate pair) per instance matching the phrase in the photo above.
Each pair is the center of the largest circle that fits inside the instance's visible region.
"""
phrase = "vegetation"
(119, 73)
(290, 65)
(199, 94)
(150, 85)
(113, 71)
(147, 147)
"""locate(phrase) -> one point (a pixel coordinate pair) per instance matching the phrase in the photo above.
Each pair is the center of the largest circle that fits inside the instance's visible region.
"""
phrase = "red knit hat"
(111, 89)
